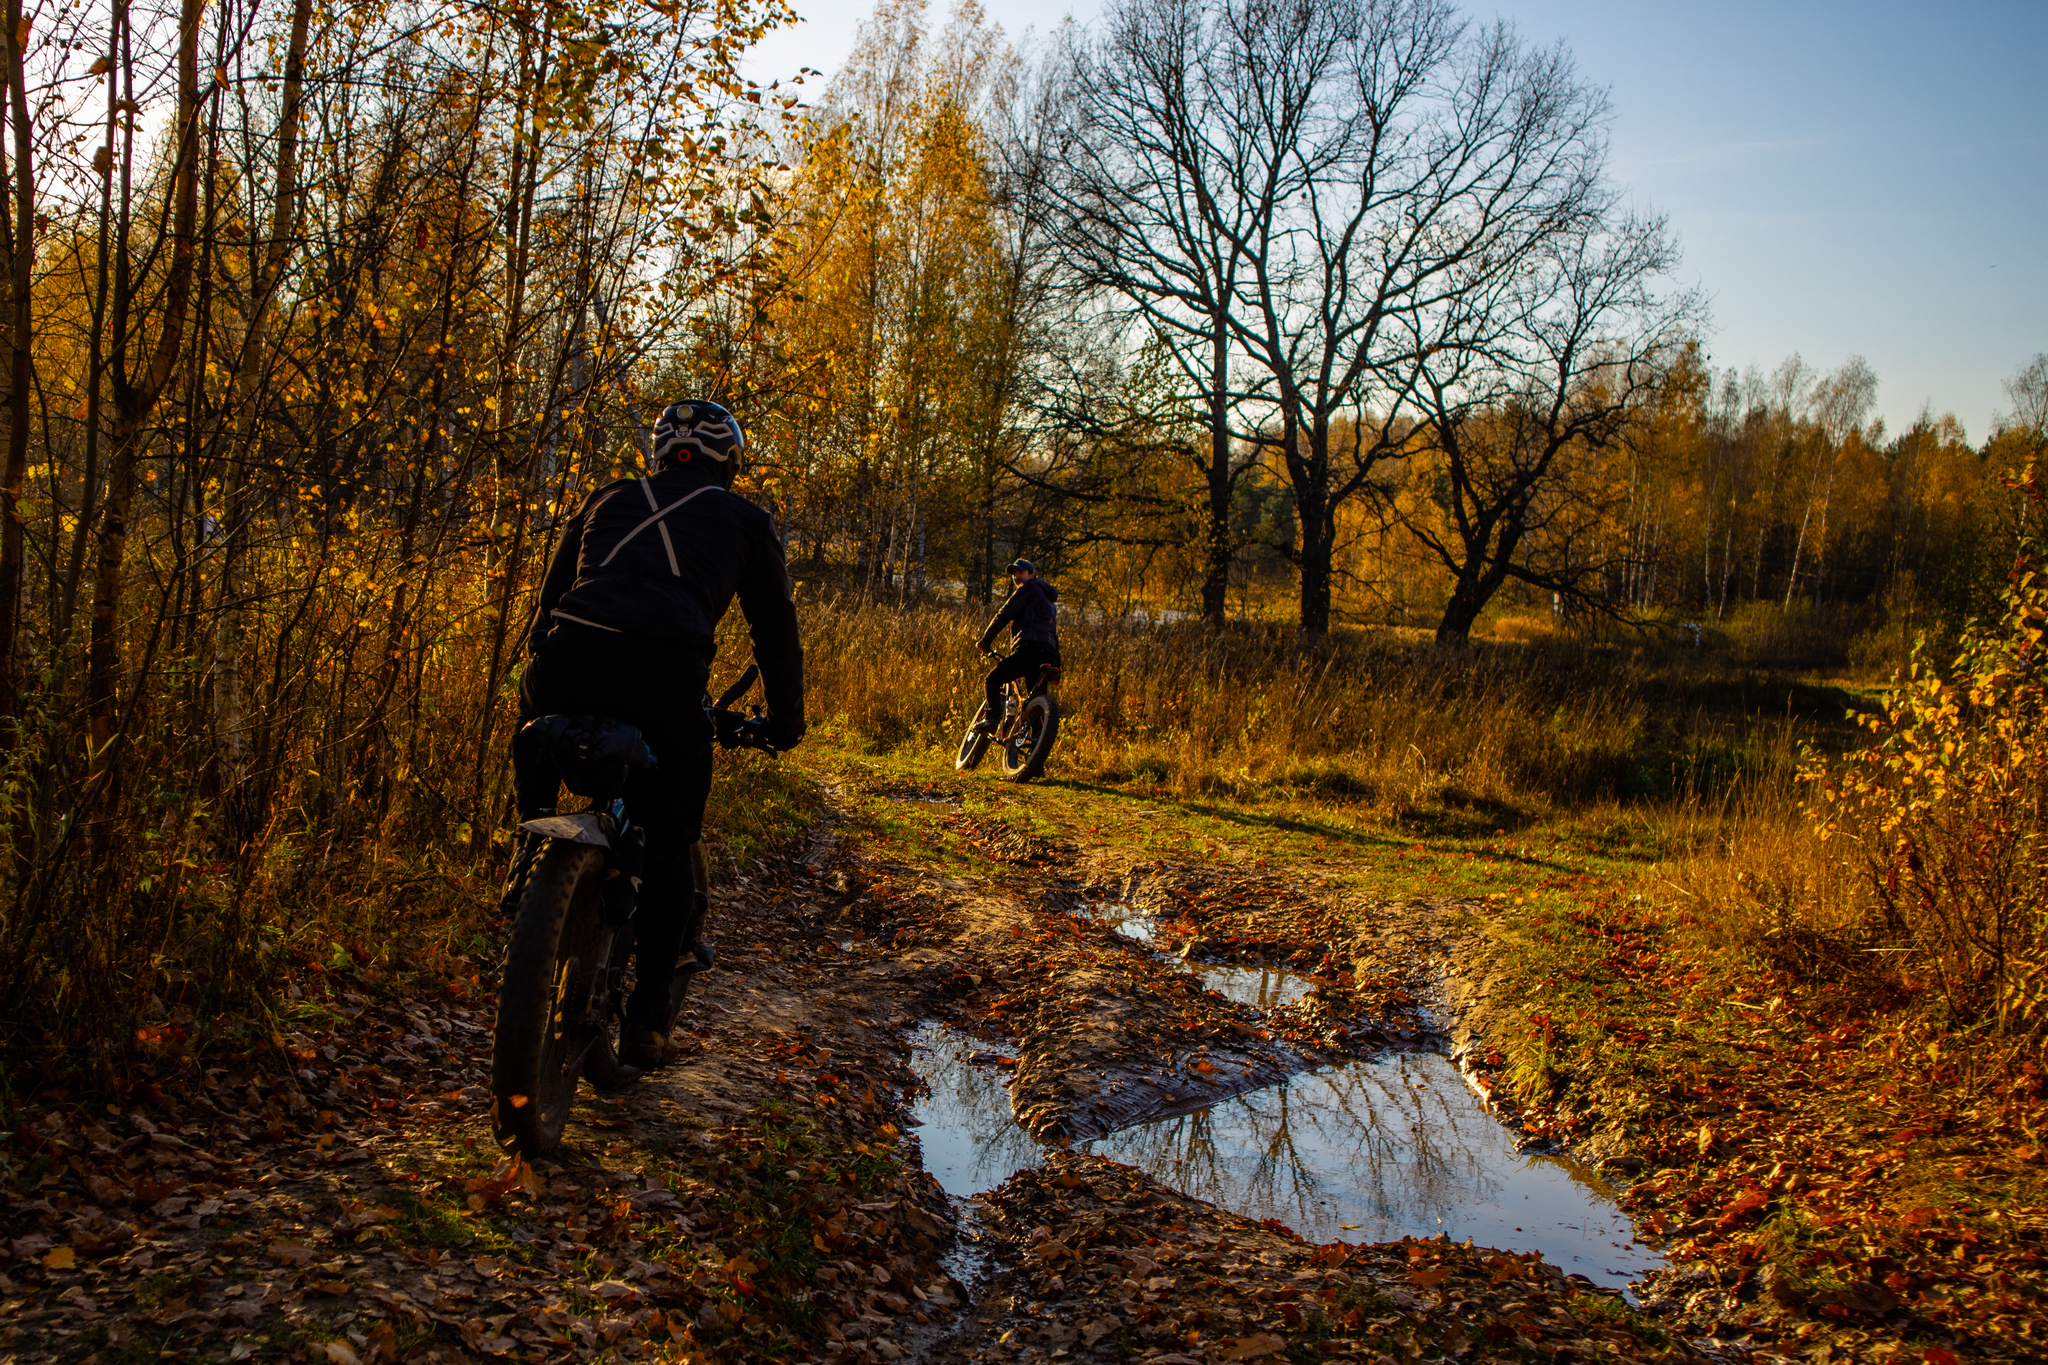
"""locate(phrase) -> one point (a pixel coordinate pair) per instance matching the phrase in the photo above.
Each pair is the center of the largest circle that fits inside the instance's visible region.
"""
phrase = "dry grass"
(1535, 724)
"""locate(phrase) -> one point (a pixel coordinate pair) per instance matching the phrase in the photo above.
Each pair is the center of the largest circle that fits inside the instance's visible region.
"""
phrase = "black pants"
(659, 690)
(1024, 662)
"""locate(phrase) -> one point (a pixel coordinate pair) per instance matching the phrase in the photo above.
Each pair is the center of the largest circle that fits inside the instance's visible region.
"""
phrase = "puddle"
(1260, 987)
(1368, 1152)
(1121, 918)
(971, 1141)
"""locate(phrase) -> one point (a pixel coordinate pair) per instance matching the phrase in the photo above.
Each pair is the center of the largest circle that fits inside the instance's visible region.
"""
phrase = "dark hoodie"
(1032, 612)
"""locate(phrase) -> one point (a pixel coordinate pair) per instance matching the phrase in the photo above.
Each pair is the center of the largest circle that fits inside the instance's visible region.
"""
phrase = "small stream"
(1367, 1151)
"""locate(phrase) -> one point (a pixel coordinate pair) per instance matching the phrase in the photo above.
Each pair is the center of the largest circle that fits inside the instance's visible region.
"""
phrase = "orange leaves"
(1747, 1202)
(510, 1174)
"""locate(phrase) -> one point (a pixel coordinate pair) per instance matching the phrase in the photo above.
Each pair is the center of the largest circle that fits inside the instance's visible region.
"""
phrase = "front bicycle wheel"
(974, 744)
(1024, 755)
(555, 962)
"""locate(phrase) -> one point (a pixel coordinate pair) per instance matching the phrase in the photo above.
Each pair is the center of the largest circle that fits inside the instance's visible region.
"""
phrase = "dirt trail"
(334, 1195)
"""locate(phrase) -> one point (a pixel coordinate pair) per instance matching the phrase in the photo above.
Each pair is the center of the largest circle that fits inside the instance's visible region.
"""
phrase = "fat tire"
(527, 1060)
(1041, 717)
(974, 744)
(601, 1066)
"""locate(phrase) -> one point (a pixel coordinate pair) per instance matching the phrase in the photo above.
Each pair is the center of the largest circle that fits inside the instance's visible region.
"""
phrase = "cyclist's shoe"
(646, 1048)
(984, 726)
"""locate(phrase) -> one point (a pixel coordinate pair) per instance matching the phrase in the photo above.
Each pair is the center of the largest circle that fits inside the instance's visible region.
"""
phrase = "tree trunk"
(1216, 575)
(230, 725)
(17, 245)
(1462, 612)
(1318, 548)
(135, 399)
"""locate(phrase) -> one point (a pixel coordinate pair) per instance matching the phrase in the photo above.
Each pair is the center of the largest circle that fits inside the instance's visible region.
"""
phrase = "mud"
(1074, 984)
(1098, 1264)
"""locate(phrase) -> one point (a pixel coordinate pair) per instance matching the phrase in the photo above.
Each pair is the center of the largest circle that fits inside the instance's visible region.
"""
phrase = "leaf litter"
(331, 1191)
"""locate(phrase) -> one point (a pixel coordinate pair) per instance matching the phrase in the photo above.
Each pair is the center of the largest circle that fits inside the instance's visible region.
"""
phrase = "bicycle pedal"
(703, 953)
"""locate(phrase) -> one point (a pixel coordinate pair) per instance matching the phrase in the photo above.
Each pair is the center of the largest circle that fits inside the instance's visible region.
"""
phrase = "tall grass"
(1379, 718)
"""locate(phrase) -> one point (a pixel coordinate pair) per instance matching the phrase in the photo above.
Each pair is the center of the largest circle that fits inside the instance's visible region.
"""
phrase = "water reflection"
(1122, 918)
(1261, 987)
(971, 1140)
(1372, 1151)
(1369, 1151)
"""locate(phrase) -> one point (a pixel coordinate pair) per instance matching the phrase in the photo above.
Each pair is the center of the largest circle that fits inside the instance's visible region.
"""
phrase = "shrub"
(1948, 808)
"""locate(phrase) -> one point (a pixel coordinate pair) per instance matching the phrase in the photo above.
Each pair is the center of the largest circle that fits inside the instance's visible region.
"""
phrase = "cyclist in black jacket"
(638, 583)
(1033, 612)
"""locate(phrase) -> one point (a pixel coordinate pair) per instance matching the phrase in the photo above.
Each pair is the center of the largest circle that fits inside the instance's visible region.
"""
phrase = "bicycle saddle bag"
(592, 753)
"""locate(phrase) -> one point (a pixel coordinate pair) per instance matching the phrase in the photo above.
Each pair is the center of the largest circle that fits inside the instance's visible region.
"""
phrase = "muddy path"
(334, 1194)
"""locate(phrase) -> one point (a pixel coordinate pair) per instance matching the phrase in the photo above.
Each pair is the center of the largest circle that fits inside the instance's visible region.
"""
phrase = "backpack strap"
(654, 519)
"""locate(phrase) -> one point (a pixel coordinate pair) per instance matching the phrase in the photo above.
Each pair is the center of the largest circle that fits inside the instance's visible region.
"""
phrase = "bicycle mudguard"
(585, 827)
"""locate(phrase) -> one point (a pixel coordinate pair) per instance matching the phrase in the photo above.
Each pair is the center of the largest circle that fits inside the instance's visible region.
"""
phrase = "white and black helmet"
(697, 429)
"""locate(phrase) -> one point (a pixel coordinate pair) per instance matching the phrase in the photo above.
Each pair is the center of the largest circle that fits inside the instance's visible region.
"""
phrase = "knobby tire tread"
(526, 998)
(602, 1067)
(1042, 713)
(973, 745)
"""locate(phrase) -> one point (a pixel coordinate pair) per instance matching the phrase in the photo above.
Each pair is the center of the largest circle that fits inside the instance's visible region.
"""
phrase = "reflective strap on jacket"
(655, 519)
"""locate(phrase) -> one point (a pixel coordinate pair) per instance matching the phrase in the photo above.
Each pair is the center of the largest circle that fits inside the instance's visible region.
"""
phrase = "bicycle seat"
(593, 754)
(1048, 674)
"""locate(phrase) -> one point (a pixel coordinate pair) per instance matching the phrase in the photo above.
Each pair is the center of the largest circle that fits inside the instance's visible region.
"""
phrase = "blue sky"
(1846, 178)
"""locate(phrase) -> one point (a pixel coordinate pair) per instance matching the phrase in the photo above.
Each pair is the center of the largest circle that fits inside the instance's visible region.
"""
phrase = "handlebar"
(734, 729)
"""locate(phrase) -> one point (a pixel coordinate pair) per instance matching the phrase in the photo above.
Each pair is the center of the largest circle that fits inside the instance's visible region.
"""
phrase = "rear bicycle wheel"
(602, 1067)
(1038, 724)
(974, 744)
(555, 961)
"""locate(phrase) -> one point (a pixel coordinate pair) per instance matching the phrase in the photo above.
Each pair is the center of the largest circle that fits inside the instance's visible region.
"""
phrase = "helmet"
(694, 428)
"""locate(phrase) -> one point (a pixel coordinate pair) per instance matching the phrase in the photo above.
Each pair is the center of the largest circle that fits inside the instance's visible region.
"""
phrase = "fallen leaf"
(340, 1353)
(1747, 1201)
(1050, 1250)
(1426, 1278)
(1252, 1347)
(63, 1258)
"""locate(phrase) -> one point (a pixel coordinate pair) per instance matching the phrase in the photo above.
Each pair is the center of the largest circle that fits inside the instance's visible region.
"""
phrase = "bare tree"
(1548, 376)
(2028, 389)
(1324, 190)
(1122, 167)
(1838, 404)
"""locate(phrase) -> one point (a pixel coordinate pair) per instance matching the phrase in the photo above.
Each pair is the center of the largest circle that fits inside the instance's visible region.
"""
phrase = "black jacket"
(660, 557)
(1032, 611)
